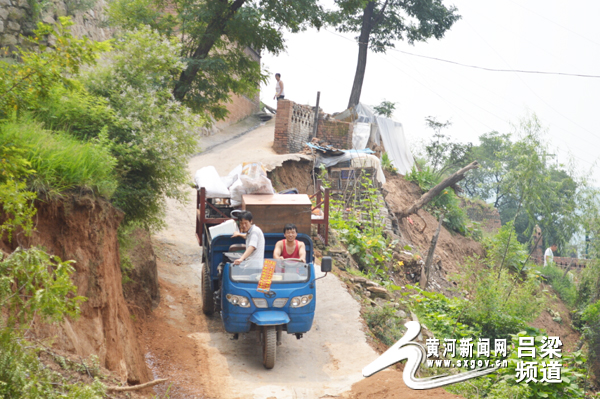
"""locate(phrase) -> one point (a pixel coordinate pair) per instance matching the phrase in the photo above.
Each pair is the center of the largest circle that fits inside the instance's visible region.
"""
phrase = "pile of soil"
(452, 248)
(388, 384)
(293, 174)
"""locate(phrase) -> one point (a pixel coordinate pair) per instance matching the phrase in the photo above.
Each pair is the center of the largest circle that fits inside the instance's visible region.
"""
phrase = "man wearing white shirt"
(255, 240)
(549, 254)
(279, 93)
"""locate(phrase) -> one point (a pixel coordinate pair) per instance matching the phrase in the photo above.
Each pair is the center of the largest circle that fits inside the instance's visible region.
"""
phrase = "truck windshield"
(286, 271)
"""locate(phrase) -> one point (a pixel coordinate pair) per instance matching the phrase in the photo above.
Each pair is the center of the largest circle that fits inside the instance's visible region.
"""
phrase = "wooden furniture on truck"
(270, 217)
(272, 212)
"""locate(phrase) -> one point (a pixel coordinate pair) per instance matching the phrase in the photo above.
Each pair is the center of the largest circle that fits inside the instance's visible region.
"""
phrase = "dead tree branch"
(431, 194)
(136, 387)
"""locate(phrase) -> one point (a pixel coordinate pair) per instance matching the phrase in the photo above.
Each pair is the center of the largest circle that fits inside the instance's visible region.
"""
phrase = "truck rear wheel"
(269, 346)
(208, 299)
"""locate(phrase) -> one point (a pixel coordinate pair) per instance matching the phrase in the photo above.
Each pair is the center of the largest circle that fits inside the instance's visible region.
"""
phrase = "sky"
(534, 35)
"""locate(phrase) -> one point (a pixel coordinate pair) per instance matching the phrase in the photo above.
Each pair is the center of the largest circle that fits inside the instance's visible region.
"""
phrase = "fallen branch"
(431, 194)
(136, 387)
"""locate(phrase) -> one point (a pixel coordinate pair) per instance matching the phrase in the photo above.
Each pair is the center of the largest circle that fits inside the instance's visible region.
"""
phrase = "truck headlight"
(238, 300)
(299, 301)
(280, 302)
(260, 302)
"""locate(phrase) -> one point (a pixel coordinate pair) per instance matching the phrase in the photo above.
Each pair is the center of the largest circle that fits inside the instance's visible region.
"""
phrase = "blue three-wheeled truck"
(285, 304)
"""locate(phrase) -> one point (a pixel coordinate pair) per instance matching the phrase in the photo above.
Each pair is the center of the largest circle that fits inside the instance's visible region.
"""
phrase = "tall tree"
(493, 154)
(216, 35)
(381, 22)
(523, 181)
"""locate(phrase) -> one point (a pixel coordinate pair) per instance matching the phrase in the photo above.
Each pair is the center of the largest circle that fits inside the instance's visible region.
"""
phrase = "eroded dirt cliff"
(84, 229)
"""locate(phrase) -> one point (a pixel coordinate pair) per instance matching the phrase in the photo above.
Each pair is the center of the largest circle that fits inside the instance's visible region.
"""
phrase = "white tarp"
(391, 134)
(360, 135)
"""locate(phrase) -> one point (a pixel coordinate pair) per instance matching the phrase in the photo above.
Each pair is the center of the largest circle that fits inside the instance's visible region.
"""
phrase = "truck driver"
(290, 248)
(255, 239)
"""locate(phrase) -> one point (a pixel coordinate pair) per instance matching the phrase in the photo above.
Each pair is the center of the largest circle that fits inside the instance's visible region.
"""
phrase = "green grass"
(61, 162)
(562, 284)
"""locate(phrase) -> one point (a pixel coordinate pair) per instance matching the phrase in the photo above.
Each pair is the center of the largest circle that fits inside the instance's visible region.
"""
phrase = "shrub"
(25, 84)
(76, 112)
(22, 375)
(153, 135)
(504, 250)
(440, 314)
(361, 230)
(500, 302)
(60, 161)
(384, 324)
(561, 282)
(386, 163)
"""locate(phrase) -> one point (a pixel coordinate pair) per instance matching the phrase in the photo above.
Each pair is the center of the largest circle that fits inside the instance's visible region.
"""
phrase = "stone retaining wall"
(17, 21)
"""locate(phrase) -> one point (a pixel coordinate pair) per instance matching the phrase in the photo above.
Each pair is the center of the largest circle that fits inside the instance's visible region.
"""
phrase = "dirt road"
(194, 351)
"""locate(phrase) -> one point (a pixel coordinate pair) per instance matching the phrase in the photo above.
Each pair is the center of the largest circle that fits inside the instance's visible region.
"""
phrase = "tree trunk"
(363, 48)
(431, 194)
(214, 30)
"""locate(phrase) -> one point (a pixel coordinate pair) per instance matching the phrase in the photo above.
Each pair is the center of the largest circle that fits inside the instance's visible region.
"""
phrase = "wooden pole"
(425, 270)
(316, 124)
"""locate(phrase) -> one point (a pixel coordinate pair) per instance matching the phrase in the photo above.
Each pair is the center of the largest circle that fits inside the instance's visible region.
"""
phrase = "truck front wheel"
(208, 299)
(269, 346)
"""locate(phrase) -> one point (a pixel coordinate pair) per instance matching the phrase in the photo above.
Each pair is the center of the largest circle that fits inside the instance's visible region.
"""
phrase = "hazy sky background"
(552, 36)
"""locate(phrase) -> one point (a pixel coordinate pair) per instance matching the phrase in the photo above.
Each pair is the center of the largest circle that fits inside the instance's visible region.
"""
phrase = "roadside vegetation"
(71, 126)
(499, 295)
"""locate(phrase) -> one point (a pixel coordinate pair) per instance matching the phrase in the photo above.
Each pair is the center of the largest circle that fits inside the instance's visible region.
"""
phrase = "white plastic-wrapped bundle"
(252, 180)
(232, 176)
(208, 178)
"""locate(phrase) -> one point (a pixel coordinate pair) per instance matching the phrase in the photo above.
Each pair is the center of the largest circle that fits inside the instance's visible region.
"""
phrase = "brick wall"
(301, 127)
(336, 133)
(239, 108)
(564, 262)
(294, 125)
(283, 121)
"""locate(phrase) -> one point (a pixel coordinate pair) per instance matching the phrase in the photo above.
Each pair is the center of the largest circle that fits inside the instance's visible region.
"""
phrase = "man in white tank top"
(279, 94)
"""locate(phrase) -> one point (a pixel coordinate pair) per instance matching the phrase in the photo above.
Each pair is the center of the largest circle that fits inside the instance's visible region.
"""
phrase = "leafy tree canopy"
(521, 177)
(382, 22)
(215, 37)
(527, 184)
